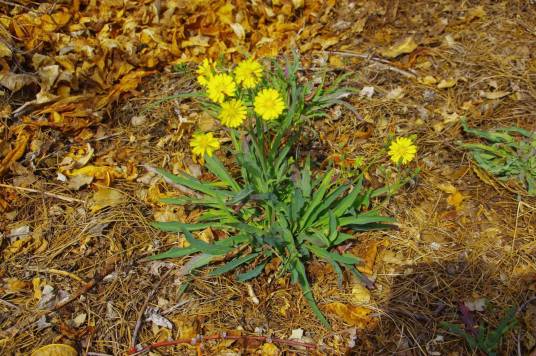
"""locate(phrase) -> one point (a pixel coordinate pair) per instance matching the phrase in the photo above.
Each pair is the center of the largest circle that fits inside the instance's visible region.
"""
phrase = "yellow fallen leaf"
(475, 12)
(5, 51)
(16, 153)
(447, 188)
(36, 283)
(455, 198)
(360, 294)
(51, 23)
(407, 45)
(326, 41)
(106, 197)
(446, 83)
(396, 93)
(15, 285)
(238, 30)
(428, 80)
(55, 350)
(353, 315)
(336, 61)
(493, 95)
(15, 82)
(284, 308)
(78, 181)
(270, 349)
(297, 3)
(225, 13)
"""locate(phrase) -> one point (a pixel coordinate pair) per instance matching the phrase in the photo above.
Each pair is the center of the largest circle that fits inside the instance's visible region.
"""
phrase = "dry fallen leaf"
(55, 350)
(360, 294)
(455, 198)
(16, 152)
(15, 82)
(106, 197)
(446, 83)
(475, 12)
(353, 315)
(492, 95)
(405, 46)
(269, 349)
(428, 80)
(15, 285)
(396, 93)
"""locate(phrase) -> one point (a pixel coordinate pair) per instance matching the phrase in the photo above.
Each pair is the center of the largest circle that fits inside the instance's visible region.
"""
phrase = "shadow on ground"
(422, 298)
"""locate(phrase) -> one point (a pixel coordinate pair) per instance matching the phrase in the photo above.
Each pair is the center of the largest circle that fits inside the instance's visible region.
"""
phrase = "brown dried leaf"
(353, 315)
(405, 46)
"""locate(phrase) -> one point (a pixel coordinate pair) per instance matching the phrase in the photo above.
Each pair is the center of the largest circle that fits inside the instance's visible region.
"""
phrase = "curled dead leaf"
(16, 152)
(493, 95)
(55, 350)
(106, 197)
(447, 83)
(407, 45)
(357, 316)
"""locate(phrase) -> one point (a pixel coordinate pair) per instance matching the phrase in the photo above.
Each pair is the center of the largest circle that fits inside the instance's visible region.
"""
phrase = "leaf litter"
(76, 75)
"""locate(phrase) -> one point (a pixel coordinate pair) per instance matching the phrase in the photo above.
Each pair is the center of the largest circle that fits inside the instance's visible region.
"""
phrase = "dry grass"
(438, 258)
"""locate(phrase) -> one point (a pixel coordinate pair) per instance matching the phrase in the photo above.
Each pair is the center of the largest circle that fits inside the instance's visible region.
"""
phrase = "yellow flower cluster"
(222, 88)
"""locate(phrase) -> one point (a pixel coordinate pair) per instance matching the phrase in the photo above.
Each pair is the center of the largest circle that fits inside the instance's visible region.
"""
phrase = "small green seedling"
(482, 338)
(506, 156)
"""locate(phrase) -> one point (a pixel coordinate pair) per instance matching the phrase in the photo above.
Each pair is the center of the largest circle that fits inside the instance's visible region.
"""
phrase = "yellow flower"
(269, 104)
(202, 143)
(402, 150)
(219, 86)
(232, 113)
(248, 73)
(205, 72)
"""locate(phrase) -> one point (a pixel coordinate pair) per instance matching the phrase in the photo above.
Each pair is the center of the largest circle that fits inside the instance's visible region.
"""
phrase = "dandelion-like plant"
(275, 208)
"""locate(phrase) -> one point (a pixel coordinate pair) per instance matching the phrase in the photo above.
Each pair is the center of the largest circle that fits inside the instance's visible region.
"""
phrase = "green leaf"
(455, 329)
(346, 258)
(507, 323)
(317, 198)
(341, 238)
(241, 195)
(305, 178)
(202, 246)
(217, 168)
(242, 277)
(340, 209)
(174, 252)
(175, 226)
(197, 261)
(192, 183)
(296, 206)
(229, 266)
(332, 227)
(326, 204)
(363, 220)
(179, 200)
(323, 254)
(308, 294)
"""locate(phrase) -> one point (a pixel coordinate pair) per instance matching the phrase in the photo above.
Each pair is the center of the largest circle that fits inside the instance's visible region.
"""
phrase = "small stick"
(11, 305)
(58, 271)
(144, 307)
(57, 196)
(380, 61)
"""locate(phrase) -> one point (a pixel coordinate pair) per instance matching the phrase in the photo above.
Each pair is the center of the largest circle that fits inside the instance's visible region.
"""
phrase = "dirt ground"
(461, 235)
